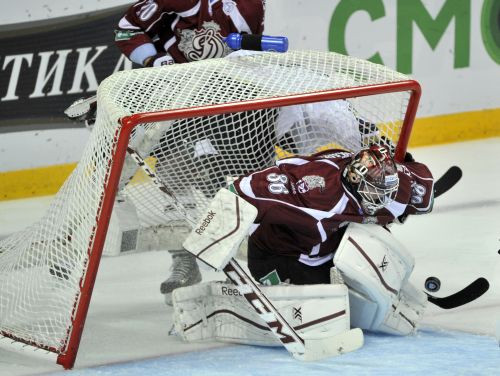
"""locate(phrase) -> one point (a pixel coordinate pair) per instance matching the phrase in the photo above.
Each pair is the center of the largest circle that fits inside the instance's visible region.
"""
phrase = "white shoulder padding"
(217, 236)
(376, 268)
(217, 311)
(330, 119)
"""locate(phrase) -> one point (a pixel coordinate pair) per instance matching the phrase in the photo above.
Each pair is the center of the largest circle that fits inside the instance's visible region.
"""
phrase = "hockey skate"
(185, 272)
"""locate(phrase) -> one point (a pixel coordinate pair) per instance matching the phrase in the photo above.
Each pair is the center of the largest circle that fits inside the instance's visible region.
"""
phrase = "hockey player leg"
(218, 311)
(376, 268)
(185, 272)
(126, 235)
(215, 240)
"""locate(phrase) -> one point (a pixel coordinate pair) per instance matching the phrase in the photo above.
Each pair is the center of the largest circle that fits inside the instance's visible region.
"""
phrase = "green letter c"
(490, 28)
(338, 23)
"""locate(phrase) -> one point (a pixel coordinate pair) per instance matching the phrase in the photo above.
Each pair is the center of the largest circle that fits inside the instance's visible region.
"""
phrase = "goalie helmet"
(374, 176)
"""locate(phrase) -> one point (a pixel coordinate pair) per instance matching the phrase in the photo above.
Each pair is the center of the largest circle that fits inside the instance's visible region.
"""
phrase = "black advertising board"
(45, 66)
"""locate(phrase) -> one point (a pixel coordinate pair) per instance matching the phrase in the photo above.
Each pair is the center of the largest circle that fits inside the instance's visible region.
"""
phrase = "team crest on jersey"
(206, 43)
(310, 182)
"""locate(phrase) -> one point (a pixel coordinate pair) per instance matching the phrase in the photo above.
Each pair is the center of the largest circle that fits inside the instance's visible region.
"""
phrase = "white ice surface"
(126, 332)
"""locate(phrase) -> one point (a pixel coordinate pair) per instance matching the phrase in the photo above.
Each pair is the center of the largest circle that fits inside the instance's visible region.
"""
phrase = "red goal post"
(55, 262)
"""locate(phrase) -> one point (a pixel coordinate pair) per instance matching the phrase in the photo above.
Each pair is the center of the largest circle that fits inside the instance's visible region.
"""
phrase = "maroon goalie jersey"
(304, 203)
(188, 30)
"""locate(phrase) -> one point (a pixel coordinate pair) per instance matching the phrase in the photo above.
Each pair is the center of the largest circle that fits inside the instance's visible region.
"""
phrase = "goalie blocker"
(217, 236)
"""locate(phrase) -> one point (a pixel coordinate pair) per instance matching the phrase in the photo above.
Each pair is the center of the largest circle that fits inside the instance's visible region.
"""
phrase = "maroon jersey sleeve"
(253, 13)
(145, 19)
(421, 197)
(415, 193)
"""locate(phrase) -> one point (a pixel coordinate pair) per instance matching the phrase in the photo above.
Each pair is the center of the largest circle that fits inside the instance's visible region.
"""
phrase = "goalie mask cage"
(197, 124)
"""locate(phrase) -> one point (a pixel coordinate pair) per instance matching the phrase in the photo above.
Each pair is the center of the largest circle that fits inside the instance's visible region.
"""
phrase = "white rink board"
(446, 90)
(306, 23)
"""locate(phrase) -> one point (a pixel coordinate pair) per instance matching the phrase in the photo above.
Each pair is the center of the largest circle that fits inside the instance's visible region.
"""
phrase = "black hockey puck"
(432, 284)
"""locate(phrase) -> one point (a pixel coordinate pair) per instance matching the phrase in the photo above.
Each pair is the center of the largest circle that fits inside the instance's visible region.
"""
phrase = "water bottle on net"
(254, 42)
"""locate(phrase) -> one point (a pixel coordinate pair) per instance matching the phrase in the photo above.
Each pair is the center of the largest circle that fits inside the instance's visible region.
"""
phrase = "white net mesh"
(42, 268)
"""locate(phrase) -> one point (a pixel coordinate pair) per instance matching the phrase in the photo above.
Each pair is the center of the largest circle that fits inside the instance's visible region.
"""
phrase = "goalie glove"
(83, 110)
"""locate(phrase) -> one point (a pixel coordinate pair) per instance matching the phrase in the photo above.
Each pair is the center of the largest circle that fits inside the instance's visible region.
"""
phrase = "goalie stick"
(447, 181)
(477, 288)
(468, 294)
(306, 349)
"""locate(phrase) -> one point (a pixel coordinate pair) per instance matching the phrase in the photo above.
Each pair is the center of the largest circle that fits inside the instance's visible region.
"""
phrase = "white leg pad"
(376, 268)
(217, 311)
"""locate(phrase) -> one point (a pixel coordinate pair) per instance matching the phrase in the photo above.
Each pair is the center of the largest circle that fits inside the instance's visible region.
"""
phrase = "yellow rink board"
(434, 130)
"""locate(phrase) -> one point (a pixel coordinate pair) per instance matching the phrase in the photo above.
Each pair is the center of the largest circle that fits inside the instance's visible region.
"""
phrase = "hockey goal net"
(197, 125)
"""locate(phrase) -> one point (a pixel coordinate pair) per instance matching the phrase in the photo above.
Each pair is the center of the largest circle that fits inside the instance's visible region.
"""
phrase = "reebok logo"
(229, 291)
(206, 222)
